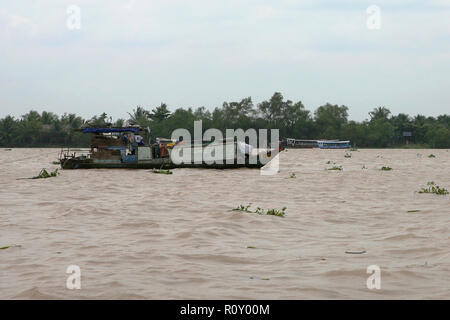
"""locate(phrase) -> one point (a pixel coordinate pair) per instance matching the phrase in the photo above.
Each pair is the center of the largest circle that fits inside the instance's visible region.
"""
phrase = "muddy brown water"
(139, 235)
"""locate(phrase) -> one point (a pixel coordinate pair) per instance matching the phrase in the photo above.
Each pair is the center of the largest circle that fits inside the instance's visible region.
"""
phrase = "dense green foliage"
(433, 188)
(261, 211)
(294, 121)
(44, 174)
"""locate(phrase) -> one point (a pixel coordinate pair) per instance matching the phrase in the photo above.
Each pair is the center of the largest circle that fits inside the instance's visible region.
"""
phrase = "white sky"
(192, 53)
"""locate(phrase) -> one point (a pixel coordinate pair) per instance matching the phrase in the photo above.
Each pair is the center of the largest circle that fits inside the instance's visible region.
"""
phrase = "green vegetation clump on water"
(275, 212)
(336, 168)
(431, 156)
(162, 171)
(328, 121)
(243, 208)
(44, 174)
(347, 155)
(11, 246)
(260, 211)
(292, 176)
(433, 188)
(386, 168)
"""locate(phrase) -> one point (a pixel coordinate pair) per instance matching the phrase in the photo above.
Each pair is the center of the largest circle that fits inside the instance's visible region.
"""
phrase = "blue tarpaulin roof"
(108, 130)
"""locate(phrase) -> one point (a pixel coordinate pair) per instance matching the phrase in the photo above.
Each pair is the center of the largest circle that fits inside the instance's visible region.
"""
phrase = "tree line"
(329, 121)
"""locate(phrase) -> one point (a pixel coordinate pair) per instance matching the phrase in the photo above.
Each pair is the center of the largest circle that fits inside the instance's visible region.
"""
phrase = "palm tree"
(160, 113)
(48, 118)
(99, 121)
(139, 117)
(119, 123)
(379, 113)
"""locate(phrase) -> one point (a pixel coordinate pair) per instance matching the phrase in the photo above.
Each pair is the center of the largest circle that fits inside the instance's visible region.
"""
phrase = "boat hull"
(301, 147)
(154, 164)
(334, 147)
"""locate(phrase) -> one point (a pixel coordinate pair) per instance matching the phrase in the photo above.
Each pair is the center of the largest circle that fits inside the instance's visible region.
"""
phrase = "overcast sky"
(191, 53)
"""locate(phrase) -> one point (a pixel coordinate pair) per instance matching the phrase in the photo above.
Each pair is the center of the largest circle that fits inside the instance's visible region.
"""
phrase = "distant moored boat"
(333, 144)
(300, 143)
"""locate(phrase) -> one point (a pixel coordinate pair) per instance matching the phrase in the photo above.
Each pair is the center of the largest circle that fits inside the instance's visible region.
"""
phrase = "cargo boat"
(127, 148)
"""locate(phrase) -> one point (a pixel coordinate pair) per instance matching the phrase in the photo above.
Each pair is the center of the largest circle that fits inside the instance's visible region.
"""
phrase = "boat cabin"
(300, 143)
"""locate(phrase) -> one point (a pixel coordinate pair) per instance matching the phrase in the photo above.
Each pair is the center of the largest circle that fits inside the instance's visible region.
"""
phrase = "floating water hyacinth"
(338, 168)
(434, 188)
(260, 211)
(275, 212)
(384, 168)
(243, 208)
(11, 246)
(44, 174)
(162, 171)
